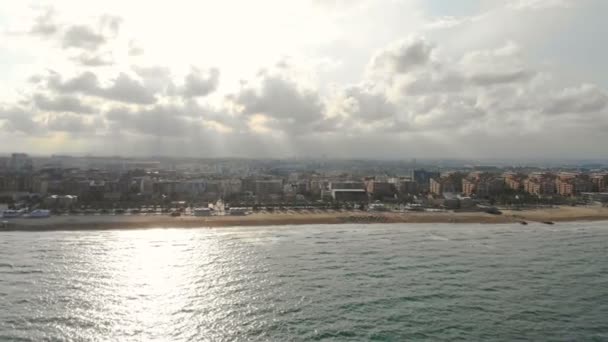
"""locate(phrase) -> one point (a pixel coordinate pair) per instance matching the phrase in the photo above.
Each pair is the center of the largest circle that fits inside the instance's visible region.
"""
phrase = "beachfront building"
(267, 189)
(482, 184)
(514, 181)
(349, 195)
(449, 183)
(573, 184)
(404, 185)
(540, 184)
(346, 185)
(379, 189)
(600, 182)
(423, 177)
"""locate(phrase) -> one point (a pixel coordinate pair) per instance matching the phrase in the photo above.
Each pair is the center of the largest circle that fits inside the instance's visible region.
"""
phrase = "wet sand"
(293, 218)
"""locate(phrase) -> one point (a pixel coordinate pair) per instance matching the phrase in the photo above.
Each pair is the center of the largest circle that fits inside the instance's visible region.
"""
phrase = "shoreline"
(100, 222)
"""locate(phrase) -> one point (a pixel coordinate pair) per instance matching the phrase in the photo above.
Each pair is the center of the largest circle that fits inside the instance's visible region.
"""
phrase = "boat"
(548, 222)
(523, 223)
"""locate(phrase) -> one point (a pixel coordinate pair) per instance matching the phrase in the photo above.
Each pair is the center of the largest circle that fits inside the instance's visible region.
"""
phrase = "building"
(405, 185)
(582, 184)
(379, 189)
(423, 177)
(449, 183)
(40, 185)
(266, 188)
(469, 186)
(490, 186)
(514, 181)
(540, 185)
(20, 162)
(349, 195)
(573, 184)
(600, 182)
(346, 185)
(146, 185)
(230, 187)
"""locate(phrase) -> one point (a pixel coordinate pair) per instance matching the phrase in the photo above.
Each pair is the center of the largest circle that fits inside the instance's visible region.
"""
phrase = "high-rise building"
(20, 162)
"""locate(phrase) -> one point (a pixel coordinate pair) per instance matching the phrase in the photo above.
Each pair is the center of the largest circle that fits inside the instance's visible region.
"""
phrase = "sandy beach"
(78, 222)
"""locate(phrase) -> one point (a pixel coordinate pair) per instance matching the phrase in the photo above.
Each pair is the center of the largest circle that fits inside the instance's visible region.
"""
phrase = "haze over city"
(370, 79)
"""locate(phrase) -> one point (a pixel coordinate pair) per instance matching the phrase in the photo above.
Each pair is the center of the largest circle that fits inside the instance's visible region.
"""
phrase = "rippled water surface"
(349, 282)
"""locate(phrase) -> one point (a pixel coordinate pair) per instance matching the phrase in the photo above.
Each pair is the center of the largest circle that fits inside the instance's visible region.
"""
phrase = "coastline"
(104, 222)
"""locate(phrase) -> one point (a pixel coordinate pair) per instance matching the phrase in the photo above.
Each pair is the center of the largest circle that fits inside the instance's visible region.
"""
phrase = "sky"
(383, 79)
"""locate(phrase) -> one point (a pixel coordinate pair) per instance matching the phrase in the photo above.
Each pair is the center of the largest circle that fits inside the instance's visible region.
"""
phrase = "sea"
(383, 282)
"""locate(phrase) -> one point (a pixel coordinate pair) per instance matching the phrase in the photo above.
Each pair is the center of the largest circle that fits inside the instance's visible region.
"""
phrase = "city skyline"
(349, 79)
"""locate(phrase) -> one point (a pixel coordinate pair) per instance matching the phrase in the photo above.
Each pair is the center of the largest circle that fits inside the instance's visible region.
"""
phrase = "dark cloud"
(201, 83)
(61, 104)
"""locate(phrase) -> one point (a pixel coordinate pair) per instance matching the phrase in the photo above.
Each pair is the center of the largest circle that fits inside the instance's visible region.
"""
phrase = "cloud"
(135, 49)
(472, 84)
(15, 119)
(289, 106)
(539, 4)
(156, 78)
(123, 88)
(95, 59)
(402, 56)
(501, 65)
(488, 78)
(61, 104)
(200, 83)
(44, 25)
(110, 24)
(586, 98)
(82, 37)
(363, 103)
(161, 121)
(126, 89)
(439, 79)
(71, 123)
(85, 83)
